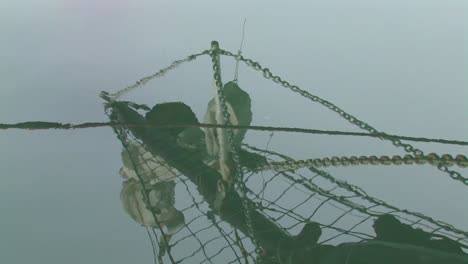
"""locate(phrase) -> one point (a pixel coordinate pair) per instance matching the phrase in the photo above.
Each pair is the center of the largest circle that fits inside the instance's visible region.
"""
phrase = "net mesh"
(194, 216)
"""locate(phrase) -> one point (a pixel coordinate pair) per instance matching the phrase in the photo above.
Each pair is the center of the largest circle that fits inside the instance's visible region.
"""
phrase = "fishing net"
(205, 196)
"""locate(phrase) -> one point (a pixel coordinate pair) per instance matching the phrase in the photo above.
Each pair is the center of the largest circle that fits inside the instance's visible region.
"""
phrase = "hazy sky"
(399, 65)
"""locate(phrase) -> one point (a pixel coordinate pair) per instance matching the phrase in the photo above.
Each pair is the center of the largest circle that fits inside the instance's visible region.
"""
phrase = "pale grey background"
(399, 65)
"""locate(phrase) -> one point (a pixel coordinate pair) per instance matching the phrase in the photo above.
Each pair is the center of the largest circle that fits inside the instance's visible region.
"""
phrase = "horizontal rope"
(34, 125)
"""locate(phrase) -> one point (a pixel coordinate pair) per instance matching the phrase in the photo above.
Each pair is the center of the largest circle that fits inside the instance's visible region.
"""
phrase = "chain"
(352, 119)
(158, 74)
(362, 194)
(432, 158)
(238, 173)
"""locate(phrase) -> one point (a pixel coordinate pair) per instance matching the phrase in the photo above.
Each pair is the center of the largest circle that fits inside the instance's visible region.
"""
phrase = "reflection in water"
(252, 221)
(210, 198)
(157, 158)
(136, 158)
(389, 228)
(239, 108)
(143, 170)
(161, 202)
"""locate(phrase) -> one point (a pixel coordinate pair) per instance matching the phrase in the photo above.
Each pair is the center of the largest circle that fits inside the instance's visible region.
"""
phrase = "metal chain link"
(238, 176)
(158, 74)
(352, 119)
(362, 194)
(432, 158)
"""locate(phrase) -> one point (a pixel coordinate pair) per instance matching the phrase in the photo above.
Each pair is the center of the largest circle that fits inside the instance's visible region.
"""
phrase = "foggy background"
(399, 65)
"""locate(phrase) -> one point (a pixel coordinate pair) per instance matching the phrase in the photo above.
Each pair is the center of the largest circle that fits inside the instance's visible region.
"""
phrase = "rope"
(158, 74)
(239, 52)
(37, 125)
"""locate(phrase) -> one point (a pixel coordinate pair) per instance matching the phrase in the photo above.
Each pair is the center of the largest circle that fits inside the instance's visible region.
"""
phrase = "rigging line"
(239, 52)
(163, 71)
(152, 245)
(34, 125)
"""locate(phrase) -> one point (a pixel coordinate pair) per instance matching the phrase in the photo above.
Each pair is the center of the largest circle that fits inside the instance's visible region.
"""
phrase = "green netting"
(206, 197)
